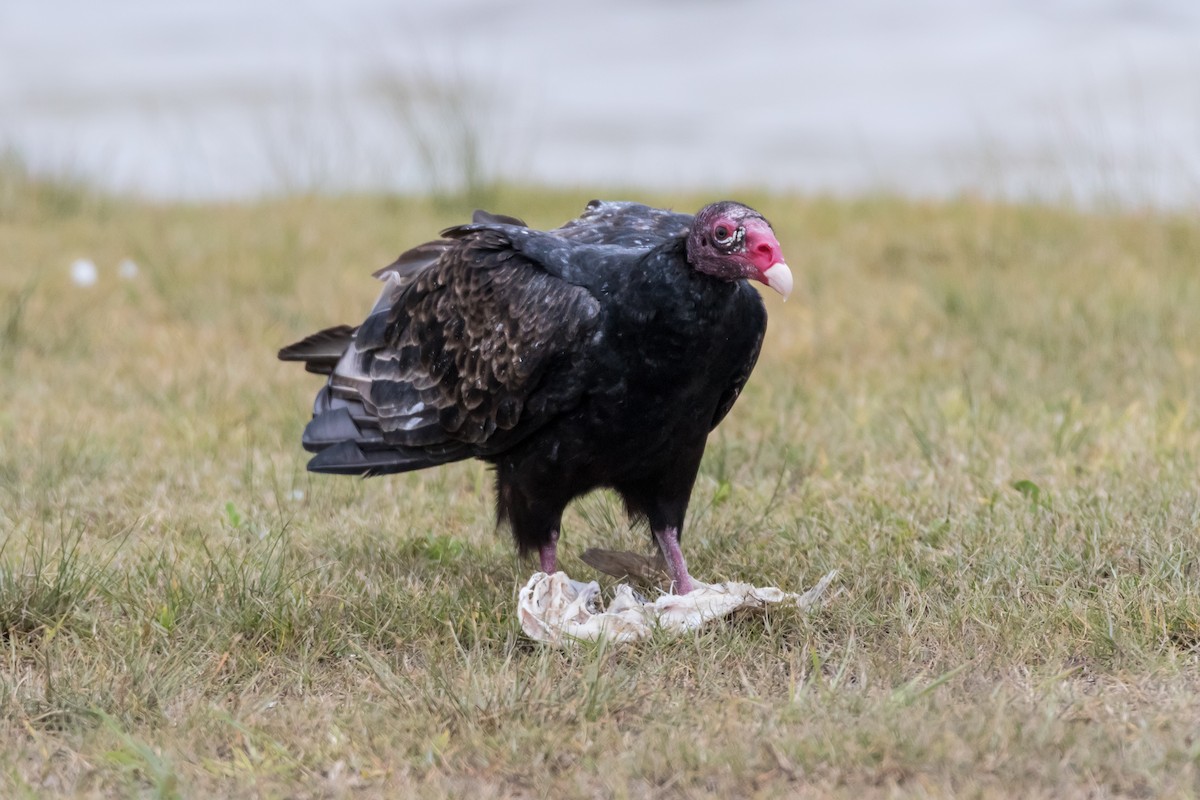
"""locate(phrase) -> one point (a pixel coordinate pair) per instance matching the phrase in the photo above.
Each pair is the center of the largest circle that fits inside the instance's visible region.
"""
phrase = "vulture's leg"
(548, 554)
(668, 542)
(663, 500)
(535, 516)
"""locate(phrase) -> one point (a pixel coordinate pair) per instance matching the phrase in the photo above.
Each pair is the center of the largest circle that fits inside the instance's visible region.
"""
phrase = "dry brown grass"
(983, 415)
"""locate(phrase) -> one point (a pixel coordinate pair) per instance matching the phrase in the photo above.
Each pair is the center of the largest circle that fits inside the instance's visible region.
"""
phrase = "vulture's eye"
(723, 235)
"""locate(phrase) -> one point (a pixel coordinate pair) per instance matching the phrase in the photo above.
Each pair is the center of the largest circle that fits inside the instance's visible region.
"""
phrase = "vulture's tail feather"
(321, 351)
(336, 426)
(353, 458)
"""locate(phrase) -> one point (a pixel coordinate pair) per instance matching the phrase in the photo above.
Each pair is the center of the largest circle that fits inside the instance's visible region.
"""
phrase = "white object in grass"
(557, 610)
(83, 272)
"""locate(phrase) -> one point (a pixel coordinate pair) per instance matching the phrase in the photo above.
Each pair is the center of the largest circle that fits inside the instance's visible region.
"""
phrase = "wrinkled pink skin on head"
(762, 248)
(757, 256)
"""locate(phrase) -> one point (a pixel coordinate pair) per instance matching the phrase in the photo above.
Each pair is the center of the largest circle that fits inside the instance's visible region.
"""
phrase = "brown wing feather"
(456, 352)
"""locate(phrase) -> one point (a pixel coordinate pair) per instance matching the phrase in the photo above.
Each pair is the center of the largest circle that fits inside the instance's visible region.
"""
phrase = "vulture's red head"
(731, 241)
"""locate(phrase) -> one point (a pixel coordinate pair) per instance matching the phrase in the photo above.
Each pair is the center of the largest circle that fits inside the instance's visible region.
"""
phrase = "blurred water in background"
(1081, 100)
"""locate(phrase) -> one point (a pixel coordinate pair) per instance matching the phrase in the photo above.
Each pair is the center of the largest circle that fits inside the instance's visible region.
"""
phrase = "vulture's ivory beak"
(779, 278)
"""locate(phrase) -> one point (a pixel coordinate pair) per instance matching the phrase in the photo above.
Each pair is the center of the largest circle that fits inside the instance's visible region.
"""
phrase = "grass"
(984, 416)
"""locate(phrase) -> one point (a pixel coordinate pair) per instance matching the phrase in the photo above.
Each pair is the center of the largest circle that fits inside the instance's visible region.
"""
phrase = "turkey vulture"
(597, 354)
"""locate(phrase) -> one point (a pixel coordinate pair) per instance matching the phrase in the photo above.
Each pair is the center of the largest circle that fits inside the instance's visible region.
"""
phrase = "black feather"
(496, 219)
(320, 351)
(334, 427)
(348, 458)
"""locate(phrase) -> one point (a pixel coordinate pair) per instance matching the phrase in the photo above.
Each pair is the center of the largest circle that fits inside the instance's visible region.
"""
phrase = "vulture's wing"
(463, 354)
